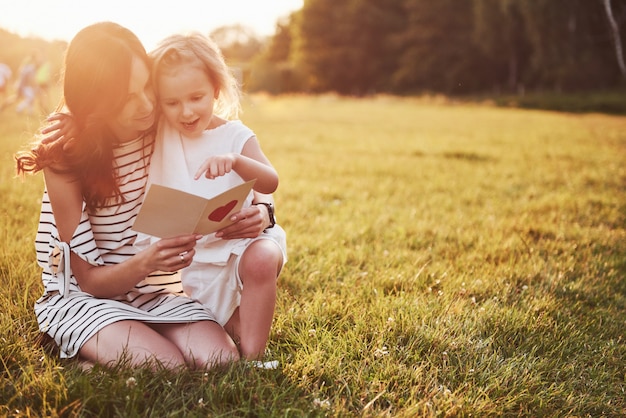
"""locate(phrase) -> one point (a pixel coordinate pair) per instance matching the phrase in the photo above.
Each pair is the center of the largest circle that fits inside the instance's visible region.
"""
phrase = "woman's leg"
(134, 341)
(259, 267)
(203, 344)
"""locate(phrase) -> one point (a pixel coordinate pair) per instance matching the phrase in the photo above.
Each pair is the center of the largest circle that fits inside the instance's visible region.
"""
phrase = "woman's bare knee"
(204, 344)
(133, 342)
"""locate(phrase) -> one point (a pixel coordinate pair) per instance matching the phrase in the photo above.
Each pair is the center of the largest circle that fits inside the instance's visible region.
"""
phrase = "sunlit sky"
(151, 20)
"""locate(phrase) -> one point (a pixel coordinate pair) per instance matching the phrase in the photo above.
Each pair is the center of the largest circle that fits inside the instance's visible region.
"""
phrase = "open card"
(168, 212)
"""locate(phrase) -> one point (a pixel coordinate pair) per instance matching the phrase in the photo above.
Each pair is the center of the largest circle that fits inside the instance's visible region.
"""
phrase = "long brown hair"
(95, 87)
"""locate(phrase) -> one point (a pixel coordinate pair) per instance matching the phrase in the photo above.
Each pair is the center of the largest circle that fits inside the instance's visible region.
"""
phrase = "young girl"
(199, 151)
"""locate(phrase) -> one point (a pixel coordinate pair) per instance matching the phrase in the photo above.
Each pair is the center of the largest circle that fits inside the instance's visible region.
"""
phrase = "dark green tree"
(501, 36)
(450, 46)
(438, 53)
(273, 70)
(570, 45)
(348, 46)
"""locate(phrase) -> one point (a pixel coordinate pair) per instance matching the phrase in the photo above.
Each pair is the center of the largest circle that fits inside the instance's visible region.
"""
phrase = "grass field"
(446, 259)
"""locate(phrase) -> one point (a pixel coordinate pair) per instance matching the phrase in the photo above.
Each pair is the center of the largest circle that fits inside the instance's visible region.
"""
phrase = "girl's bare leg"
(251, 323)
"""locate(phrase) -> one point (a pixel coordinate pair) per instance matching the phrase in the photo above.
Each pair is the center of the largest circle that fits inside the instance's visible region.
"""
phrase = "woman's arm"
(107, 281)
(249, 222)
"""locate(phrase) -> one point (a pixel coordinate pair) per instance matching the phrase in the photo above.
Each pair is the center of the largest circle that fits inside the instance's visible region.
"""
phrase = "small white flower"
(201, 402)
(324, 404)
(444, 390)
(131, 382)
(381, 352)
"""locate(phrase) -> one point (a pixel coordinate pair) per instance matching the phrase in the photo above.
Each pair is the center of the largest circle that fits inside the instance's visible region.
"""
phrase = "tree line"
(360, 47)
(447, 46)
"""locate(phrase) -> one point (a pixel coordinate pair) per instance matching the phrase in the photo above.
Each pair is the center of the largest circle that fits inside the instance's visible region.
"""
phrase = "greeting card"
(168, 212)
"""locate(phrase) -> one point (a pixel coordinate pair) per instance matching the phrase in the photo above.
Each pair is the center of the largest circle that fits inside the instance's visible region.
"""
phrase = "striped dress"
(71, 316)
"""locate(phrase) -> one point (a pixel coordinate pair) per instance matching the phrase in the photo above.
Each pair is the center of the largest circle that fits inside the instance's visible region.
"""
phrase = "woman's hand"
(170, 254)
(249, 223)
(62, 129)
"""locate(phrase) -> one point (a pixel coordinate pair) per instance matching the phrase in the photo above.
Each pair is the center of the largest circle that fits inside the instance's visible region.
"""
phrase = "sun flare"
(151, 21)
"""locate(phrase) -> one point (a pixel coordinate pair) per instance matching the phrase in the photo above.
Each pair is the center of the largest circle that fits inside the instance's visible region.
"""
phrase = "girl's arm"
(107, 281)
(251, 164)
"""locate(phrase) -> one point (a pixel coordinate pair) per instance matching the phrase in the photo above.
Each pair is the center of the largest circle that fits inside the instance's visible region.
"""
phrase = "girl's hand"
(170, 254)
(216, 166)
(62, 128)
(249, 223)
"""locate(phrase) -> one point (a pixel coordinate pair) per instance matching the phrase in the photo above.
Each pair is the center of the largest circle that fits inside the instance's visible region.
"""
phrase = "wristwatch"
(270, 213)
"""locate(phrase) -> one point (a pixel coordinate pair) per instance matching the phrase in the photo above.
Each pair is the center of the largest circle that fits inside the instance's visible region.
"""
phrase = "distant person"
(43, 79)
(198, 151)
(26, 88)
(5, 79)
(104, 300)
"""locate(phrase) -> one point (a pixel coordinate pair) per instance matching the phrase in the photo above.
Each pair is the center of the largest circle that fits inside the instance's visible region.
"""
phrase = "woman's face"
(138, 113)
(186, 96)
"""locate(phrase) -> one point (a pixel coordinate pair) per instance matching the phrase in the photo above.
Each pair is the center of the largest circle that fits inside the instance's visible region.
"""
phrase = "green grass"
(445, 260)
(611, 102)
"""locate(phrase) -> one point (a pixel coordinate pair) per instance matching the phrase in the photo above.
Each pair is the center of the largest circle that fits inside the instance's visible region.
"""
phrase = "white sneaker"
(266, 365)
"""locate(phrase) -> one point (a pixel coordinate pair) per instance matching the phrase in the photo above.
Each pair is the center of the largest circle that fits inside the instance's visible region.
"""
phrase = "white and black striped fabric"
(105, 237)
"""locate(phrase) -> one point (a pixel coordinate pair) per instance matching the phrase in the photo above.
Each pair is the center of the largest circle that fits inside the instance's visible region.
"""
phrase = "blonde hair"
(196, 49)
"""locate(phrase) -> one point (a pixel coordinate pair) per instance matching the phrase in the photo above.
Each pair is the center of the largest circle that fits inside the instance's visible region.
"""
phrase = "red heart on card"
(220, 213)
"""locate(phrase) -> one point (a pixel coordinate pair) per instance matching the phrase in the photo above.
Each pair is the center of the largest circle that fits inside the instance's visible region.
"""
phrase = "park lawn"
(445, 259)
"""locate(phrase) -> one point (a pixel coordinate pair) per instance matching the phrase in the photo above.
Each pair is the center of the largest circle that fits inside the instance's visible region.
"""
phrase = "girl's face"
(138, 113)
(186, 96)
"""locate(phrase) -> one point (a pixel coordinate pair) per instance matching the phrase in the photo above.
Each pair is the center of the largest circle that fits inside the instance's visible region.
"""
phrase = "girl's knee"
(262, 260)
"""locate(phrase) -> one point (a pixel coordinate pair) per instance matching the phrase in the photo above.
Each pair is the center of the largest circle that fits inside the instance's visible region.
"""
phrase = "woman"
(103, 300)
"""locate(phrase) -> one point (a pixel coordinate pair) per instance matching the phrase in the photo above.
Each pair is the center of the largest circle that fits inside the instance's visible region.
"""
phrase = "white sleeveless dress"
(212, 277)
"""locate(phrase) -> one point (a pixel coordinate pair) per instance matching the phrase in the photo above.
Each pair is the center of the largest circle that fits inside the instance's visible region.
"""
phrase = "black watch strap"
(270, 212)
